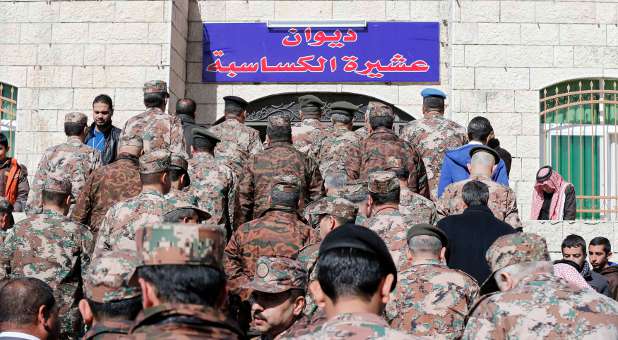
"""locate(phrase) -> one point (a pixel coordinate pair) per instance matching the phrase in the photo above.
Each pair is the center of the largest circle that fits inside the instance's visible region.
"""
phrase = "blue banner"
(385, 52)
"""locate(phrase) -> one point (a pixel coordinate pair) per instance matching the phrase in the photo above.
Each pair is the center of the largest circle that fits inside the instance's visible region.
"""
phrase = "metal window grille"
(8, 110)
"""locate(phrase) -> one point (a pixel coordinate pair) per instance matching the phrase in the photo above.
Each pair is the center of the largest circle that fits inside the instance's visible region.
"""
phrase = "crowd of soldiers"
(169, 230)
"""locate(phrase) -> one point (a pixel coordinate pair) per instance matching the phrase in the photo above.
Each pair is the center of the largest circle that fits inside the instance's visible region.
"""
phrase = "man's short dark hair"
(391, 197)
(177, 215)
(4, 141)
(126, 309)
(287, 199)
(73, 129)
(475, 193)
(199, 285)
(149, 179)
(204, 144)
(55, 198)
(279, 133)
(381, 121)
(233, 111)
(348, 272)
(175, 173)
(479, 129)
(433, 103)
(21, 299)
(105, 99)
(574, 241)
(339, 118)
(602, 241)
(154, 99)
(186, 106)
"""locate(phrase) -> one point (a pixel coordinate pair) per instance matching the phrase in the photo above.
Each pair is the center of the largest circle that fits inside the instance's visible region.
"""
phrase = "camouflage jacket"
(72, 160)
(362, 133)
(123, 219)
(158, 130)
(307, 133)
(543, 306)
(23, 187)
(432, 300)
(339, 151)
(108, 330)
(358, 326)
(279, 232)
(314, 316)
(502, 200)
(183, 321)
(106, 186)
(231, 130)
(390, 225)
(277, 160)
(184, 195)
(432, 137)
(416, 209)
(213, 183)
(383, 144)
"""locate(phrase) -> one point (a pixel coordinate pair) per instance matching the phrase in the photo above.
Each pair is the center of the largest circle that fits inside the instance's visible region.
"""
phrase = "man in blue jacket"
(455, 163)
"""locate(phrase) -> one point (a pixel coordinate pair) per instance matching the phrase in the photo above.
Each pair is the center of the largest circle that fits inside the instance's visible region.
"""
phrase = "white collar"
(475, 142)
(19, 335)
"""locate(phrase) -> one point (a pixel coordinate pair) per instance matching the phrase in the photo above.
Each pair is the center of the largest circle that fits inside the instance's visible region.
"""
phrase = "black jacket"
(469, 236)
(597, 281)
(111, 143)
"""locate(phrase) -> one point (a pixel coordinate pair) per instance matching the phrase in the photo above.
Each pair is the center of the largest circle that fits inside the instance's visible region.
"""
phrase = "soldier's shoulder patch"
(262, 270)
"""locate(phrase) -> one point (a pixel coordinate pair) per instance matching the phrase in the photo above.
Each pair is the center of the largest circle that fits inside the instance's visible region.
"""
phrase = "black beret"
(484, 148)
(429, 230)
(343, 108)
(361, 238)
(235, 103)
(310, 103)
(203, 133)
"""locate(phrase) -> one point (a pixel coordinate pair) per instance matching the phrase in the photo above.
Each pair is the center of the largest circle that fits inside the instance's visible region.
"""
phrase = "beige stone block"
(88, 76)
(44, 120)
(551, 231)
(121, 116)
(196, 32)
(43, 11)
(14, 75)
(139, 11)
(472, 100)
(465, 33)
(303, 10)
(94, 54)
(165, 55)
(13, 11)
(612, 35)
(24, 55)
(24, 143)
(83, 97)
(565, 12)
(69, 32)
(86, 11)
(529, 56)
(563, 56)
(55, 99)
(251, 92)
(540, 34)
(480, 11)
(501, 101)
(571, 34)
(530, 123)
(123, 76)
(249, 10)
(505, 123)
(207, 93)
(27, 98)
(528, 146)
(542, 77)
(360, 10)
(463, 77)
(194, 72)
(485, 55)
(194, 52)
(158, 72)
(10, 33)
(458, 57)
(398, 10)
(129, 99)
(210, 10)
(502, 78)
(388, 93)
(110, 33)
(35, 33)
(516, 167)
(50, 76)
(411, 94)
(207, 113)
(318, 88)
(526, 101)
(129, 54)
(529, 168)
(610, 57)
(424, 10)
(606, 13)
(588, 55)
(60, 54)
(517, 11)
(159, 33)
(499, 33)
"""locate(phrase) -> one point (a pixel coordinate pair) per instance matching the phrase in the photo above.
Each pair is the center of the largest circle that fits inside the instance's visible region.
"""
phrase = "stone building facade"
(496, 57)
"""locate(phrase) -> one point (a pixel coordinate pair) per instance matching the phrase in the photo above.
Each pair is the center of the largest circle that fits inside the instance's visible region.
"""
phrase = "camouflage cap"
(382, 182)
(279, 121)
(310, 103)
(76, 117)
(183, 244)
(155, 86)
(286, 183)
(516, 248)
(378, 109)
(179, 203)
(107, 278)
(277, 275)
(334, 206)
(127, 139)
(57, 184)
(354, 191)
(343, 108)
(154, 162)
(178, 161)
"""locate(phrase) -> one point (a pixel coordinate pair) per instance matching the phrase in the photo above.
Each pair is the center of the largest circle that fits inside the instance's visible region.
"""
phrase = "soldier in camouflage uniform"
(279, 231)
(179, 176)
(433, 135)
(340, 149)
(233, 129)
(384, 216)
(180, 263)
(533, 302)
(110, 184)
(278, 296)
(72, 160)
(431, 300)
(184, 211)
(382, 143)
(502, 199)
(356, 192)
(123, 219)
(212, 182)
(107, 291)
(50, 247)
(157, 129)
(355, 257)
(309, 130)
(280, 158)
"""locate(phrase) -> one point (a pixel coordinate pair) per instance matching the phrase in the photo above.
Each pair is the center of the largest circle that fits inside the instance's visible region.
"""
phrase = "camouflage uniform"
(502, 200)
(432, 136)
(123, 219)
(157, 129)
(280, 158)
(415, 208)
(213, 183)
(72, 160)
(432, 300)
(357, 326)
(310, 130)
(187, 245)
(232, 130)
(540, 306)
(382, 144)
(50, 247)
(278, 232)
(107, 280)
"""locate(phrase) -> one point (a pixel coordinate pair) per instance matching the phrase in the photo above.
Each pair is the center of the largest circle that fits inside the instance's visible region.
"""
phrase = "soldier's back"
(307, 133)
(360, 326)
(231, 130)
(392, 228)
(213, 183)
(158, 130)
(432, 300)
(340, 151)
(416, 209)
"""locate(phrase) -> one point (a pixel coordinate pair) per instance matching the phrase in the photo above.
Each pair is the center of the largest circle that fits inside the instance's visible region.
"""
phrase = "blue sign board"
(382, 52)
